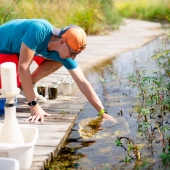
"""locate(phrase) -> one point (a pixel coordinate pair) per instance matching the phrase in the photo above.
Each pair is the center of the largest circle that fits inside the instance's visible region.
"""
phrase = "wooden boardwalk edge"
(41, 161)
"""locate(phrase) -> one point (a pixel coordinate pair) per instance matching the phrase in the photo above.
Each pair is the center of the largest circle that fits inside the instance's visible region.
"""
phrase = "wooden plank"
(49, 110)
(45, 151)
(34, 167)
(39, 164)
(49, 134)
(47, 122)
(53, 115)
(52, 111)
(64, 106)
(42, 158)
(46, 141)
(52, 127)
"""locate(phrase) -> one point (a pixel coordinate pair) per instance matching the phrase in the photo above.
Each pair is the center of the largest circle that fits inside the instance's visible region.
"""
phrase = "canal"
(90, 145)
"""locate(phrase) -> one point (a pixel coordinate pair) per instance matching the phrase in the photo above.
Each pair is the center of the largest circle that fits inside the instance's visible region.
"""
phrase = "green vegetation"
(152, 108)
(144, 9)
(153, 104)
(67, 158)
(94, 17)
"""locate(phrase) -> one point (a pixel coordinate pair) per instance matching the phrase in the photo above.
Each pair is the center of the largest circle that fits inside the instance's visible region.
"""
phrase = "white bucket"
(9, 164)
(22, 152)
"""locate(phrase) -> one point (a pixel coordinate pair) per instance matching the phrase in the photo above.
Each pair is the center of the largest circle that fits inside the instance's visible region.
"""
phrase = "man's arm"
(86, 88)
(25, 59)
(88, 91)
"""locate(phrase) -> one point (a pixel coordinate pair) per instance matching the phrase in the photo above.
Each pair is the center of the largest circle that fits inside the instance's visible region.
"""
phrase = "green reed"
(94, 17)
(144, 9)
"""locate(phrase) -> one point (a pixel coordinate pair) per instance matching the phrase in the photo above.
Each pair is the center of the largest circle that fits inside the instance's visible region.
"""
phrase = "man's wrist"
(33, 102)
(101, 112)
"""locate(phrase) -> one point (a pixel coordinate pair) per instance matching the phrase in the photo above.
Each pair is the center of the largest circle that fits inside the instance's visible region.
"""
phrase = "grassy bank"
(94, 16)
(155, 10)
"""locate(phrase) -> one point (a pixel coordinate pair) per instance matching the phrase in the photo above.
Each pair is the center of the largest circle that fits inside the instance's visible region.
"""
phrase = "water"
(91, 146)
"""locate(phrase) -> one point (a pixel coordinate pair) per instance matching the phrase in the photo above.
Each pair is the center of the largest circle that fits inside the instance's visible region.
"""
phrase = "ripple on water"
(90, 128)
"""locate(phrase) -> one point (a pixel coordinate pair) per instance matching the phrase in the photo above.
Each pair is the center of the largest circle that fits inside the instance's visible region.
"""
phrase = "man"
(25, 40)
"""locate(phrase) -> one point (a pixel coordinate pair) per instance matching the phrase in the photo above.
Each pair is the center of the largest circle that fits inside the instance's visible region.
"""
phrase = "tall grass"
(93, 16)
(155, 10)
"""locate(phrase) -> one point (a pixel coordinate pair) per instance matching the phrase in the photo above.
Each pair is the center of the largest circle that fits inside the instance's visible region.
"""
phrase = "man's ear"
(62, 41)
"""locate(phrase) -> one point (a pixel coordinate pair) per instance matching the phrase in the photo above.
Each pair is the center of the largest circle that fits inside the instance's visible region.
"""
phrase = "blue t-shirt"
(35, 34)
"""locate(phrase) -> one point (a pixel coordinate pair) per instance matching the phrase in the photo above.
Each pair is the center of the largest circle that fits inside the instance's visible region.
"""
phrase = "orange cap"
(74, 35)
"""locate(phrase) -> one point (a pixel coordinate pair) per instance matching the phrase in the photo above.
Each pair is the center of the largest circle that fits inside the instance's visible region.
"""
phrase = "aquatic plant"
(131, 147)
(153, 102)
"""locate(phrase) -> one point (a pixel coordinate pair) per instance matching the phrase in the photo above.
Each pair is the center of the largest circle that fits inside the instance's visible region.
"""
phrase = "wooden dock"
(55, 129)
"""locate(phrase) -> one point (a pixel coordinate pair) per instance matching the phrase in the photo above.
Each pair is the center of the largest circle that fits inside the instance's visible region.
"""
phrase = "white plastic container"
(9, 164)
(22, 152)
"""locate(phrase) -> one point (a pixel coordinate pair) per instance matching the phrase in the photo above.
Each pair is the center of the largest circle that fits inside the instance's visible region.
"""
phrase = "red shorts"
(14, 58)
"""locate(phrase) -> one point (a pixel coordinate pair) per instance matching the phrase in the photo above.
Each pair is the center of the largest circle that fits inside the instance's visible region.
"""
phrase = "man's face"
(72, 54)
(67, 51)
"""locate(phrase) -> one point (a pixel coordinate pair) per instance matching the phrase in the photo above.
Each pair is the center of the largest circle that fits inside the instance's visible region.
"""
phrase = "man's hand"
(108, 117)
(37, 113)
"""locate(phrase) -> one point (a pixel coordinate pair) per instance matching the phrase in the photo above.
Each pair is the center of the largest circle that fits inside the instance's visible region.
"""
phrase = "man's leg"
(45, 68)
